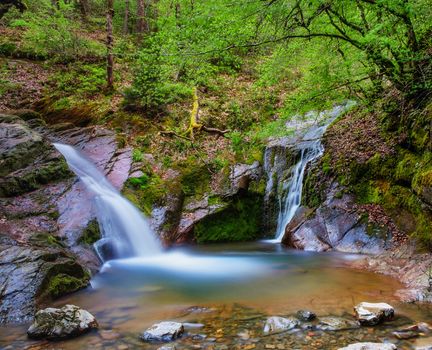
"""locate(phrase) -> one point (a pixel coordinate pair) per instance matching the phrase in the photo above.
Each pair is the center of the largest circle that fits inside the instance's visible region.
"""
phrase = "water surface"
(235, 282)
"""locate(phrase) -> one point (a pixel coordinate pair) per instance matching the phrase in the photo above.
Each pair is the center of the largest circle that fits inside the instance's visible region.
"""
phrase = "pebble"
(109, 335)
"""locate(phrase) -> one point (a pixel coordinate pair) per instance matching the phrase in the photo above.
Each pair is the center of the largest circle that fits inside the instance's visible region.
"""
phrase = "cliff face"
(44, 211)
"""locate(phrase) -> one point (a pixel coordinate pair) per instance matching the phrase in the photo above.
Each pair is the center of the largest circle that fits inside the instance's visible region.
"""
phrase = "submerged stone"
(280, 324)
(332, 323)
(405, 334)
(370, 314)
(69, 321)
(163, 332)
(167, 347)
(370, 346)
(305, 315)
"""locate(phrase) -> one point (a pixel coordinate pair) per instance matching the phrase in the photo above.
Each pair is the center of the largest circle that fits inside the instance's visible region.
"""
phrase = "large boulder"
(307, 236)
(35, 274)
(370, 314)
(334, 225)
(163, 332)
(67, 322)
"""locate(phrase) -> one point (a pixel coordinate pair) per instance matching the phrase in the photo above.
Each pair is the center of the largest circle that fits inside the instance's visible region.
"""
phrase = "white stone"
(279, 324)
(370, 314)
(163, 331)
(69, 321)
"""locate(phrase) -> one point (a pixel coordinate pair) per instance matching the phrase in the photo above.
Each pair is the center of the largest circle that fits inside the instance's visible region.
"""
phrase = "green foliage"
(84, 80)
(152, 87)
(137, 155)
(51, 31)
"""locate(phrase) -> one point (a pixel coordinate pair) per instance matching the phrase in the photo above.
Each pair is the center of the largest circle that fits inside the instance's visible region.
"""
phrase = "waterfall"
(310, 149)
(123, 227)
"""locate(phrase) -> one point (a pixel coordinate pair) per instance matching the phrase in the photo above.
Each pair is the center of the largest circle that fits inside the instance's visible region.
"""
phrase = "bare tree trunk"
(109, 44)
(84, 7)
(126, 17)
(140, 16)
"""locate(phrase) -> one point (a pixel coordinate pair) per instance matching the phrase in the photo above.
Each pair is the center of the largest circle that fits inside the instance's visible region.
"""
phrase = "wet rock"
(370, 346)
(335, 225)
(27, 159)
(305, 315)
(411, 331)
(27, 272)
(424, 327)
(193, 212)
(279, 324)
(405, 334)
(242, 175)
(67, 322)
(163, 332)
(332, 323)
(307, 237)
(370, 314)
(279, 156)
(44, 210)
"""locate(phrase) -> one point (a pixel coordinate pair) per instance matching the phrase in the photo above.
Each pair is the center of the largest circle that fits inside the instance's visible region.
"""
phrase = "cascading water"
(310, 148)
(122, 225)
(135, 247)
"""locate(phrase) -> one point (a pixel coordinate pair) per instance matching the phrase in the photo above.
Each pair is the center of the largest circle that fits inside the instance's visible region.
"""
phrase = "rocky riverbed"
(240, 327)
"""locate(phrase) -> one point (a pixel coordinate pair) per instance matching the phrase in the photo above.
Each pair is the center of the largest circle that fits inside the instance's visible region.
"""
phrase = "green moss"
(314, 186)
(240, 221)
(50, 172)
(406, 168)
(326, 163)
(146, 191)
(91, 233)
(368, 192)
(62, 275)
(62, 284)
(195, 180)
(46, 239)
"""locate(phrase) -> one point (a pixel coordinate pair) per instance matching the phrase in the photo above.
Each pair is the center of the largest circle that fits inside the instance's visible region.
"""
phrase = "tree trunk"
(109, 44)
(126, 18)
(140, 18)
(84, 7)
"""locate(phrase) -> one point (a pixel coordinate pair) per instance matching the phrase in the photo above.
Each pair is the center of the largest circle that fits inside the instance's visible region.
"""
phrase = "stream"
(246, 283)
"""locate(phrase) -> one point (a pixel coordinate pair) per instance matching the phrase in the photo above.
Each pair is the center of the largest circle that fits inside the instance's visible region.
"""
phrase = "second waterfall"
(310, 148)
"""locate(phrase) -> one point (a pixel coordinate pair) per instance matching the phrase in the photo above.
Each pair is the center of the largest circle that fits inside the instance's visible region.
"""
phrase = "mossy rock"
(62, 284)
(46, 239)
(62, 276)
(34, 178)
(239, 221)
(91, 233)
(27, 114)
